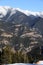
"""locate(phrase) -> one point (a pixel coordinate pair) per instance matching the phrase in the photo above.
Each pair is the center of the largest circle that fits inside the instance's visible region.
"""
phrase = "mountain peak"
(5, 9)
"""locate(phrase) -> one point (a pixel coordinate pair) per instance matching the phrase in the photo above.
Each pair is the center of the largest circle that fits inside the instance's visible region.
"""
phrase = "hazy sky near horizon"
(32, 5)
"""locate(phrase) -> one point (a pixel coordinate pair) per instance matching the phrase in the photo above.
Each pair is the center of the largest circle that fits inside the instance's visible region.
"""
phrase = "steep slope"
(20, 29)
(19, 37)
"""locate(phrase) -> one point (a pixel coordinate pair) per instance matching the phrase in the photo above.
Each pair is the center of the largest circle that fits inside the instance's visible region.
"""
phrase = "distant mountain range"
(22, 29)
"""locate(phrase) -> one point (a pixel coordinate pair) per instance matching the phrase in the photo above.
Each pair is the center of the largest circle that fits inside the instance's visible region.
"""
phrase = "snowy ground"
(20, 64)
(39, 62)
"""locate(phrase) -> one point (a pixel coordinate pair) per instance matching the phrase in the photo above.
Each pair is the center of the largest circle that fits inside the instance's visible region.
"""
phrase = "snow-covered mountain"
(20, 26)
(7, 13)
(19, 16)
(5, 9)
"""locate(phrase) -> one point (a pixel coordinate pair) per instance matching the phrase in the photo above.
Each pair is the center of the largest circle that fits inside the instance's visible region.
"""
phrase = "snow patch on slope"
(27, 12)
(4, 9)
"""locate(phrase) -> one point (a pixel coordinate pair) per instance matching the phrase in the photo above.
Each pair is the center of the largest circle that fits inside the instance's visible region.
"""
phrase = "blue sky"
(32, 5)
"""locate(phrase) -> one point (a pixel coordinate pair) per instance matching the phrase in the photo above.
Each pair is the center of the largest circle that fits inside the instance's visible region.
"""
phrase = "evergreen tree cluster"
(8, 57)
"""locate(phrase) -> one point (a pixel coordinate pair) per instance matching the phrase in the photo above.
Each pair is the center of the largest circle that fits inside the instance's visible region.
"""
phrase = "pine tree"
(6, 55)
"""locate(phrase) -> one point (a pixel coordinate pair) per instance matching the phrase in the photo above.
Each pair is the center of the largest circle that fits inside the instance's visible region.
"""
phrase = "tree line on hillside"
(8, 57)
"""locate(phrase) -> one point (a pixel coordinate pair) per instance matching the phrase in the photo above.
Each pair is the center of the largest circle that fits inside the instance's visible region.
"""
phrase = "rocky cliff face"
(19, 37)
